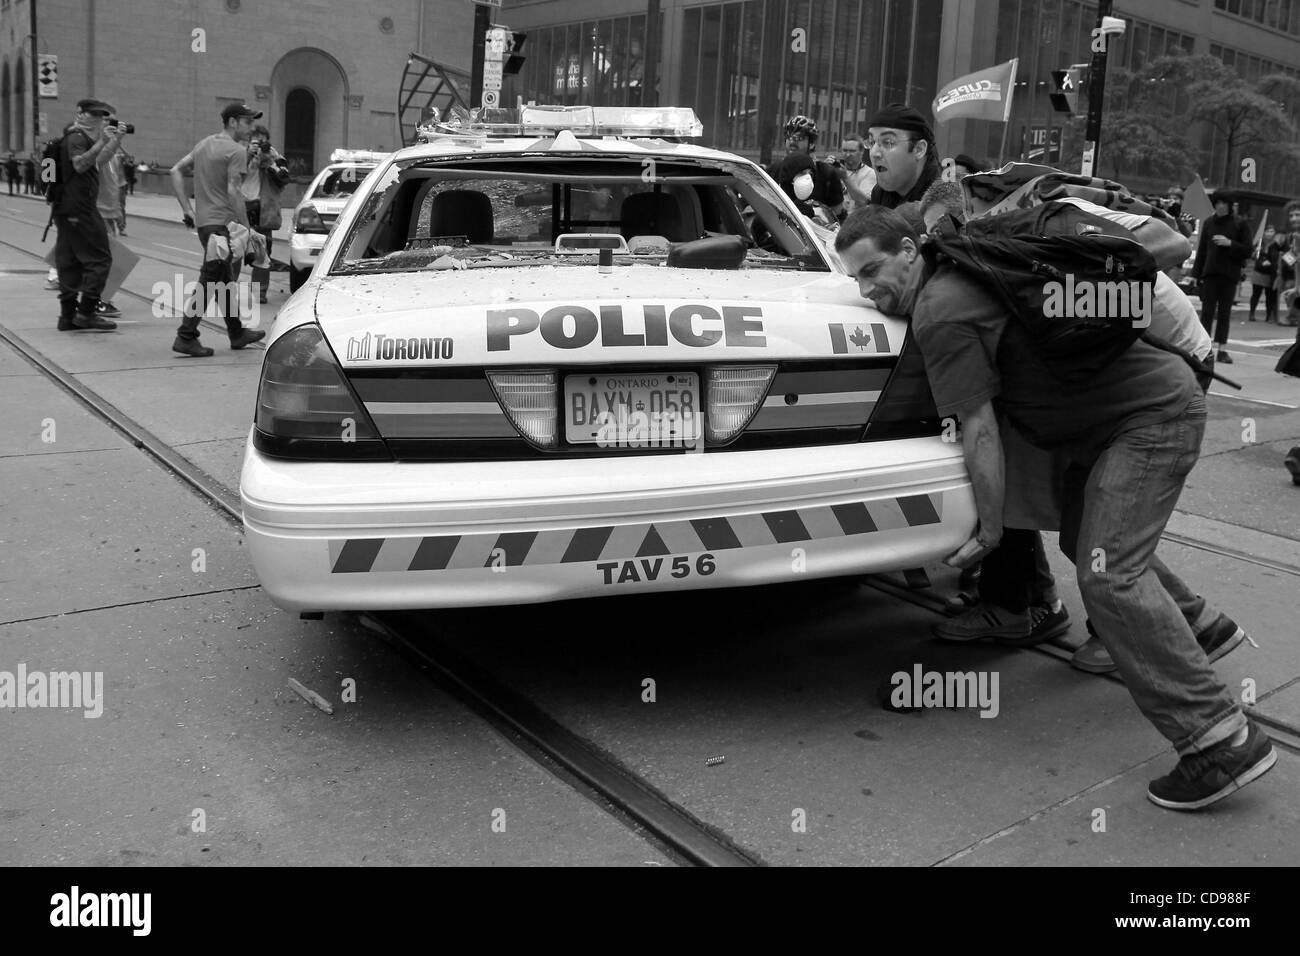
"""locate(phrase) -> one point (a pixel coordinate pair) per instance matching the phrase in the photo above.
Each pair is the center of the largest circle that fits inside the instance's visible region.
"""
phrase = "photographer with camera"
(268, 172)
(855, 173)
(81, 252)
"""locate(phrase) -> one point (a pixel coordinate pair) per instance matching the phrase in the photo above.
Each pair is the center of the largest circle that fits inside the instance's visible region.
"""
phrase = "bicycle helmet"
(801, 124)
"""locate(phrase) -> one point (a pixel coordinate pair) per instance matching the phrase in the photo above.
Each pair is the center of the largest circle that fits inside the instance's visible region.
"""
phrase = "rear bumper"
(304, 249)
(353, 536)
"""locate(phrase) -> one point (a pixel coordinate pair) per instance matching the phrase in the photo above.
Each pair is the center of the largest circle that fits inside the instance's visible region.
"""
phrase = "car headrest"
(462, 212)
(652, 214)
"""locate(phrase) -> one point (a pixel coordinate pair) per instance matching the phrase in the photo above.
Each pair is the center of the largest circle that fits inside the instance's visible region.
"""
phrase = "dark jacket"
(1225, 262)
(275, 176)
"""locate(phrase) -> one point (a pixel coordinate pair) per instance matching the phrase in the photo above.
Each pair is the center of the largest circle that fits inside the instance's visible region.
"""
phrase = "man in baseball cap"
(218, 163)
(900, 145)
(239, 111)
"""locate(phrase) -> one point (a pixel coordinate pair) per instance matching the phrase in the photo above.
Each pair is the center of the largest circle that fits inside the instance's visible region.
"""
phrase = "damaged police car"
(568, 353)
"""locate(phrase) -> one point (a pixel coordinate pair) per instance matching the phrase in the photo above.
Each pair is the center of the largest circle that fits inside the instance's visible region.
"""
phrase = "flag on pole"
(985, 94)
(1259, 233)
(1196, 202)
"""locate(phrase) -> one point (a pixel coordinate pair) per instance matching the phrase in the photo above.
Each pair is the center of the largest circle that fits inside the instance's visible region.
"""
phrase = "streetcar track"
(576, 761)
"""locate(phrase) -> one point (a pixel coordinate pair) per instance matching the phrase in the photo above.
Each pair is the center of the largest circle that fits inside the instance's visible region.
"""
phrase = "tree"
(1249, 117)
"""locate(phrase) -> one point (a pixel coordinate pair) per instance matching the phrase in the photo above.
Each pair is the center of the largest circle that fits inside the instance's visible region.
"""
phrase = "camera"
(123, 128)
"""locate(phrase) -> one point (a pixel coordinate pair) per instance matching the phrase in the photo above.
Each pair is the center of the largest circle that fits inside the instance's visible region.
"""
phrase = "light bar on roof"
(357, 156)
(580, 120)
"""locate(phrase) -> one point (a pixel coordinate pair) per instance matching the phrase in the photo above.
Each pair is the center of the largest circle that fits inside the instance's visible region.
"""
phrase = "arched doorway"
(309, 113)
(300, 131)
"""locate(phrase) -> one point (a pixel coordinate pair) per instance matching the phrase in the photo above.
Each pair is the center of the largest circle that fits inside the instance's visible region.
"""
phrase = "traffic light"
(513, 60)
(1065, 94)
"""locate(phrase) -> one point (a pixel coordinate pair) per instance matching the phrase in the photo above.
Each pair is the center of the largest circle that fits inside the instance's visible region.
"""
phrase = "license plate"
(633, 409)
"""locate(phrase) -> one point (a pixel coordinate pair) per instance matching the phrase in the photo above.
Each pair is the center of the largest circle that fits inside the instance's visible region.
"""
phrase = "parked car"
(320, 206)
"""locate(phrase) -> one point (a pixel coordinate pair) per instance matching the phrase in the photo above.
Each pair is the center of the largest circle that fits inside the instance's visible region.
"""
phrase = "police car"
(320, 206)
(544, 357)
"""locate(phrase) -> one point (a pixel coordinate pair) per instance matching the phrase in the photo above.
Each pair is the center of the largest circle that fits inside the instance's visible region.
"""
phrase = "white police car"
(546, 358)
(319, 208)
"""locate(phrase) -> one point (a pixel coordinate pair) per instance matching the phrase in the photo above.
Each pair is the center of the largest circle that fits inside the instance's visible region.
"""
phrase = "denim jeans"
(1117, 500)
(216, 278)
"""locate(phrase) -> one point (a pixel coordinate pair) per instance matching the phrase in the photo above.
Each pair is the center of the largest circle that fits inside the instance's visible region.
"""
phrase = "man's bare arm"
(99, 152)
(981, 444)
(185, 165)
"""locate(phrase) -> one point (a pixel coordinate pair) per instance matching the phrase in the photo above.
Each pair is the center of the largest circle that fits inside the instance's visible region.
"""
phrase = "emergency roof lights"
(357, 156)
(579, 120)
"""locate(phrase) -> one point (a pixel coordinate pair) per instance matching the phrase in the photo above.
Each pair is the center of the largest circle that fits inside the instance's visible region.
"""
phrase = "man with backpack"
(1126, 419)
(81, 251)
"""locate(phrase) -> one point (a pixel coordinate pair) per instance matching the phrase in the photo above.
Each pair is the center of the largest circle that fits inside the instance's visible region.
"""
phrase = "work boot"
(66, 323)
(247, 337)
(92, 323)
(190, 347)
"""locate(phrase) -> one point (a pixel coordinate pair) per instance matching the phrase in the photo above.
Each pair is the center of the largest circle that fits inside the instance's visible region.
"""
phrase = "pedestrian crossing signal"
(1065, 93)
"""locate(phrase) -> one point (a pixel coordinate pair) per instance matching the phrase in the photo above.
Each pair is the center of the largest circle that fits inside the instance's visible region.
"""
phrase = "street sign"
(43, 124)
(1065, 95)
(47, 74)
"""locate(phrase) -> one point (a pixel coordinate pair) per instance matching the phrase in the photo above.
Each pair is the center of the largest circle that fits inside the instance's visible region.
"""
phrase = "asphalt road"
(101, 573)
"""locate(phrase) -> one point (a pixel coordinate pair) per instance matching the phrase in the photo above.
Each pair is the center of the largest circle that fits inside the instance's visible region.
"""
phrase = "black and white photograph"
(835, 434)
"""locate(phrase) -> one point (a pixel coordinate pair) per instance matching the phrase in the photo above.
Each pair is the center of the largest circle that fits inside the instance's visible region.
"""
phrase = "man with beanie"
(81, 252)
(1225, 244)
(900, 147)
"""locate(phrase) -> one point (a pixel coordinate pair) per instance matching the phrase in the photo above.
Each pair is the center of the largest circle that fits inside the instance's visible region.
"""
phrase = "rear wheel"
(297, 277)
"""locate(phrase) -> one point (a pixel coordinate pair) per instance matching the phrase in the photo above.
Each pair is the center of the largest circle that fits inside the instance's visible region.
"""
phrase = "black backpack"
(52, 152)
(1042, 262)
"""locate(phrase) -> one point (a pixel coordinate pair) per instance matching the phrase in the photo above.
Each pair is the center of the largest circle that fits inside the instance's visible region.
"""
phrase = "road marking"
(188, 252)
(1254, 401)
(1260, 343)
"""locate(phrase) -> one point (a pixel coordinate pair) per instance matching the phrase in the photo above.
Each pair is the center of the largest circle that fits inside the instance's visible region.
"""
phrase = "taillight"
(304, 397)
(735, 393)
(529, 400)
(905, 408)
(309, 220)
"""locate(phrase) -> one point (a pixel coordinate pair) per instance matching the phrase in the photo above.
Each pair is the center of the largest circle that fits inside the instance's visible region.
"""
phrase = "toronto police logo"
(359, 349)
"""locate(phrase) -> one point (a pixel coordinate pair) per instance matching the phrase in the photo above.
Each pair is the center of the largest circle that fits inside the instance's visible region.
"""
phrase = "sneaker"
(262, 298)
(247, 337)
(1224, 357)
(1218, 641)
(984, 620)
(1044, 624)
(1292, 462)
(1221, 638)
(1204, 778)
(92, 323)
(107, 310)
(191, 347)
(52, 285)
(1092, 656)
